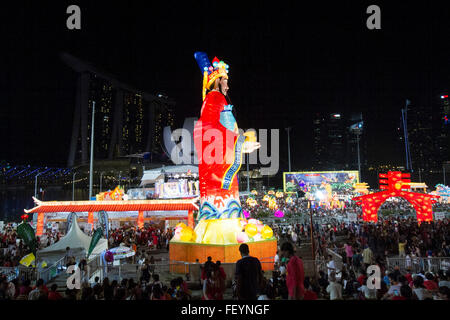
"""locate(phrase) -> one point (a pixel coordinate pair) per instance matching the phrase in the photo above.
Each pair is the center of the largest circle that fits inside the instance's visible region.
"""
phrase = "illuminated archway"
(394, 183)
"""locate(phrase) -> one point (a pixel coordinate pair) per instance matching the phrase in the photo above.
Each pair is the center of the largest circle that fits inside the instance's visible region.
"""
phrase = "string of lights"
(26, 173)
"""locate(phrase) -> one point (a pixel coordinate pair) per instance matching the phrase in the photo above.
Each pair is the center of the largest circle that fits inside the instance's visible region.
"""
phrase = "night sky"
(287, 60)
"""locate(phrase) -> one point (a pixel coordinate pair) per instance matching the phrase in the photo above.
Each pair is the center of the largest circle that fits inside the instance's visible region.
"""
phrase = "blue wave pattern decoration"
(234, 168)
(209, 211)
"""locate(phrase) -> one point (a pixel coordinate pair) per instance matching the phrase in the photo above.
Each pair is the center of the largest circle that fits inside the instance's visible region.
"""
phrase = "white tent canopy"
(150, 176)
(77, 241)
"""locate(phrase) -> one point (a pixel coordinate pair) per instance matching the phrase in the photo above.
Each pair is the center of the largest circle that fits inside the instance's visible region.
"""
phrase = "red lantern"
(24, 217)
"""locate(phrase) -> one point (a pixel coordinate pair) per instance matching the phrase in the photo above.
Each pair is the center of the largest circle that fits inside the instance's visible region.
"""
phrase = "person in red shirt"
(408, 275)
(43, 287)
(295, 275)
(221, 271)
(155, 240)
(309, 292)
(361, 278)
(53, 294)
(430, 284)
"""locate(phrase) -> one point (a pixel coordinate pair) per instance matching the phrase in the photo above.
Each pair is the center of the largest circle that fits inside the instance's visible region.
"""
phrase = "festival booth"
(168, 182)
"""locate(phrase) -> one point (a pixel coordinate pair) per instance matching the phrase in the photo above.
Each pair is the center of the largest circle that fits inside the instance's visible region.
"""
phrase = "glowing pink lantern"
(242, 237)
(109, 256)
(278, 214)
(246, 214)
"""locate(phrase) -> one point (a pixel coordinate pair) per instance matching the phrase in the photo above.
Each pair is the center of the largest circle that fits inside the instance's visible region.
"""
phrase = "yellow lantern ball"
(181, 224)
(251, 230)
(186, 234)
(267, 232)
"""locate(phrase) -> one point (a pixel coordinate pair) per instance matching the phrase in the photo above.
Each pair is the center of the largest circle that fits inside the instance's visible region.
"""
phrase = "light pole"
(405, 133)
(357, 129)
(313, 247)
(73, 186)
(101, 175)
(248, 173)
(91, 167)
(358, 134)
(35, 184)
(288, 129)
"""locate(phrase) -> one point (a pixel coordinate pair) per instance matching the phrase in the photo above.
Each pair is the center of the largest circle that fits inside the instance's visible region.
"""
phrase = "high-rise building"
(127, 121)
(335, 147)
(428, 134)
(442, 125)
(420, 137)
(330, 138)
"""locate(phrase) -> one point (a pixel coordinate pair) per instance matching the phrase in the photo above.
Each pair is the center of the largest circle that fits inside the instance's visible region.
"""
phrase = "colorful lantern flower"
(242, 237)
(266, 232)
(251, 230)
(278, 214)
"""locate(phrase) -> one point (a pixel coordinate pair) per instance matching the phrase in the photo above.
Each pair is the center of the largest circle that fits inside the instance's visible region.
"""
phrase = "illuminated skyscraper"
(329, 138)
(334, 145)
(442, 125)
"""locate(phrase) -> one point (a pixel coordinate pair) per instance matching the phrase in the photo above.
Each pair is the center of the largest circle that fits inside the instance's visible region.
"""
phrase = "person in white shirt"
(331, 265)
(408, 261)
(369, 294)
(34, 294)
(282, 269)
(394, 289)
(334, 288)
(277, 259)
(294, 237)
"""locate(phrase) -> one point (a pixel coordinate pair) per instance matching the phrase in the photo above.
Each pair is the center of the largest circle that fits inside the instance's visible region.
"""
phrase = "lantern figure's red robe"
(219, 150)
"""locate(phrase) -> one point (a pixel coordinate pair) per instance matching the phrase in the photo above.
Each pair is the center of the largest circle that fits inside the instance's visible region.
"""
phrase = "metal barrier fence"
(51, 272)
(134, 271)
(20, 272)
(10, 272)
(419, 264)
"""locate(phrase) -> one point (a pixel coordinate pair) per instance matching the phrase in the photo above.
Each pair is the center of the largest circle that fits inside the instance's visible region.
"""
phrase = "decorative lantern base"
(264, 250)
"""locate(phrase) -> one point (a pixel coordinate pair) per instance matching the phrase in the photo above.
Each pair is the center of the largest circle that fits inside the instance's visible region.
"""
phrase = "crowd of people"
(12, 249)
(294, 207)
(149, 237)
(126, 289)
(359, 244)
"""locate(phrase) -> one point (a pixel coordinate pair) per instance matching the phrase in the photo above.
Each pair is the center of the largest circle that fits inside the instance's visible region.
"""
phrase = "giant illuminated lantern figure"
(394, 184)
(220, 147)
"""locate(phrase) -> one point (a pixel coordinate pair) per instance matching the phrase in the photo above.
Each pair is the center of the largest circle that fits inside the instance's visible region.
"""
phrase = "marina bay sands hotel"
(127, 120)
